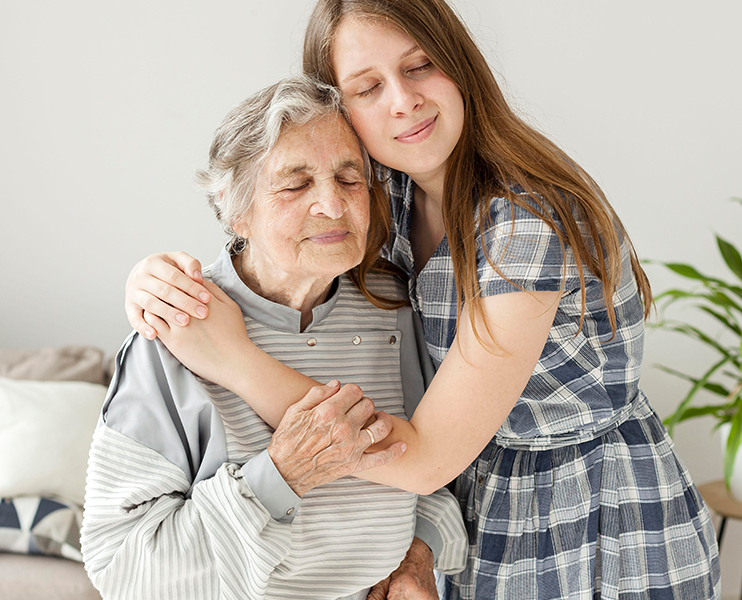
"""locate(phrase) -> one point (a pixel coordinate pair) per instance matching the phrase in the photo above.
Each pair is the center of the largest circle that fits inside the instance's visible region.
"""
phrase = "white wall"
(107, 108)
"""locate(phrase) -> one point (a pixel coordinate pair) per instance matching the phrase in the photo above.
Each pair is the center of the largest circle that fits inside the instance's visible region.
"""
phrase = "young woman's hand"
(213, 347)
(168, 285)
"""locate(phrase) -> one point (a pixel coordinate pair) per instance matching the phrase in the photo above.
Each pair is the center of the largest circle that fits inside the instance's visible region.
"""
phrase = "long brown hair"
(497, 152)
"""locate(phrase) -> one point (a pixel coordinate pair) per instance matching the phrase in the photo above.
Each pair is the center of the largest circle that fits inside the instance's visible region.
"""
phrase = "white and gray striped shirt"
(183, 501)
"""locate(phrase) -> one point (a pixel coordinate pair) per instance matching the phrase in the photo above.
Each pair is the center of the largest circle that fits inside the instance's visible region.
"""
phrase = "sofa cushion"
(68, 363)
(45, 436)
(33, 525)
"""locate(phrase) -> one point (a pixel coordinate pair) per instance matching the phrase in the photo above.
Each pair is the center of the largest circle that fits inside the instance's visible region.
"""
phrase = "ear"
(242, 227)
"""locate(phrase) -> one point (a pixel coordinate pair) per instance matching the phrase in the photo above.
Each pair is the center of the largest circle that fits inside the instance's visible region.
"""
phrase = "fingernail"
(200, 311)
(181, 318)
(203, 296)
(149, 334)
(404, 447)
(197, 275)
(333, 383)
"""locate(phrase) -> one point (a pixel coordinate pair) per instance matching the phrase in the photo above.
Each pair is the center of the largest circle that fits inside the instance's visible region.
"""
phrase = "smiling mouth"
(329, 237)
(419, 132)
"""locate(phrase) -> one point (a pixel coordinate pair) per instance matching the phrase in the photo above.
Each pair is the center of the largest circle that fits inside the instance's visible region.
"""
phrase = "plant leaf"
(714, 388)
(731, 256)
(730, 323)
(695, 333)
(700, 411)
(687, 271)
(676, 417)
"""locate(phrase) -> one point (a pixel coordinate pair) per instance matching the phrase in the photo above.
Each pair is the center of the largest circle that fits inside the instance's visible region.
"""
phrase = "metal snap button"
(393, 339)
(356, 340)
(290, 511)
(311, 342)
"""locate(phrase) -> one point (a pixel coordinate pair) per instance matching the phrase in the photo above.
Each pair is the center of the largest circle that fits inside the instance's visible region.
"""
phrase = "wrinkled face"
(408, 114)
(310, 210)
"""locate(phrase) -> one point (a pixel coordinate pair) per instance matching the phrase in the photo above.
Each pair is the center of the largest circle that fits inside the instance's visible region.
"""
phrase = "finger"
(348, 396)
(178, 299)
(153, 304)
(189, 265)
(217, 292)
(160, 327)
(372, 460)
(160, 273)
(317, 395)
(136, 320)
(379, 591)
(381, 427)
(360, 412)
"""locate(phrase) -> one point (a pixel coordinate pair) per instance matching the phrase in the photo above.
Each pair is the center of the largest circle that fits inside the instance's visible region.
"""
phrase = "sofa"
(49, 402)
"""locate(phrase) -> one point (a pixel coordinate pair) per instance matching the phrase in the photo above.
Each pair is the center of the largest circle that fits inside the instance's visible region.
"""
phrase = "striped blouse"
(183, 501)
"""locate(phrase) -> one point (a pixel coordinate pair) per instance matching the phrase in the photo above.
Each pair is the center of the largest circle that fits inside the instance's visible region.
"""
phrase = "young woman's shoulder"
(521, 248)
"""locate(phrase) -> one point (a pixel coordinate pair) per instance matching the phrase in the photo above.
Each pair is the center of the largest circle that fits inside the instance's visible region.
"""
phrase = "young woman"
(532, 301)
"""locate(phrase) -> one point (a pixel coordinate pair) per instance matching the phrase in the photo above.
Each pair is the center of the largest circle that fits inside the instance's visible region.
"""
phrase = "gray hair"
(250, 131)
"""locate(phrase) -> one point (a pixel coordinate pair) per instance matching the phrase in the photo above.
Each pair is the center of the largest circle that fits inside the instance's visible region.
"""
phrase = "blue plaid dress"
(581, 493)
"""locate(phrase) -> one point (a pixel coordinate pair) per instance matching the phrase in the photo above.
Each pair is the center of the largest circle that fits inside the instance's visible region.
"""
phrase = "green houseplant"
(721, 299)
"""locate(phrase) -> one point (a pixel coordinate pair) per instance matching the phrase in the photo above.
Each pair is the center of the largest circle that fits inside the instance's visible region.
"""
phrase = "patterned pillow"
(34, 525)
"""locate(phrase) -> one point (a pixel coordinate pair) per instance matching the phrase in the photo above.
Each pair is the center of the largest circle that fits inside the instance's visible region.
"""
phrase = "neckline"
(269, 313)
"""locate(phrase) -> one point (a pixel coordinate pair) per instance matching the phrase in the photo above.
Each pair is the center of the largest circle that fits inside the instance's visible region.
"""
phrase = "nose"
(329, 201)
(404, 98)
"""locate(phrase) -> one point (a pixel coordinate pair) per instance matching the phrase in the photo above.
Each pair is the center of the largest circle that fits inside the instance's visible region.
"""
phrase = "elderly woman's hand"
(413, 579)
(322, 437)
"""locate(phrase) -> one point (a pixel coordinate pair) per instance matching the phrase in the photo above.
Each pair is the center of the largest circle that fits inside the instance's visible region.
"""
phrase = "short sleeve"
(526, 251)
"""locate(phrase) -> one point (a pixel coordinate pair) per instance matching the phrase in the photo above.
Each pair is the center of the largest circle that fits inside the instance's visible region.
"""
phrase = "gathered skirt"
(616, 517)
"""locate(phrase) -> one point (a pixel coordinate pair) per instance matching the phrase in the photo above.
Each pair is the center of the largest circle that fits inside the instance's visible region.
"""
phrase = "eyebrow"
(404, 55)
(291, 170)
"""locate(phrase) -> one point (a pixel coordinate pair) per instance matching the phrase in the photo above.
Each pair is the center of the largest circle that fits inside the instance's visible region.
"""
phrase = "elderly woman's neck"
(301, 293)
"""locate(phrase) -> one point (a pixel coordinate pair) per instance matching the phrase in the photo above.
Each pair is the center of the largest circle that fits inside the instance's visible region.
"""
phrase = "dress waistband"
(639, 406)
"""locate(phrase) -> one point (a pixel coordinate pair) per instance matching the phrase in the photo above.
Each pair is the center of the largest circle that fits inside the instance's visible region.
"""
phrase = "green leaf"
(714, 388)
(697, 334)
(731, 256)
(676, 417)
(700, 411)
(730, 323)
(735, 436)
(687, 271)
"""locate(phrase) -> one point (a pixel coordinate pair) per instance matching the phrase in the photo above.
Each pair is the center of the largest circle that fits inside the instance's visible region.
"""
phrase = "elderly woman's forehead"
(327, 140)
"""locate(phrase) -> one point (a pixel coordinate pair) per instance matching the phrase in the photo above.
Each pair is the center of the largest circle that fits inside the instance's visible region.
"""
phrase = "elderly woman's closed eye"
(208, 501)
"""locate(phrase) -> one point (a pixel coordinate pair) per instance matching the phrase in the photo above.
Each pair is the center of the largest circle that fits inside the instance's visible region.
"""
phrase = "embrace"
(395, 226)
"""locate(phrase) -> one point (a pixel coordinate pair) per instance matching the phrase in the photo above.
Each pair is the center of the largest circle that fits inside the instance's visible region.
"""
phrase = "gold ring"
(371, 433)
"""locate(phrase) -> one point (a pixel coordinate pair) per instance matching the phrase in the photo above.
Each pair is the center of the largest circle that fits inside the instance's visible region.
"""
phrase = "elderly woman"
(192, 495)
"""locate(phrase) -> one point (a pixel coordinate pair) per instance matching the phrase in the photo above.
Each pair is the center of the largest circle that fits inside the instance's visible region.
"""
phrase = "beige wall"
(107, 108)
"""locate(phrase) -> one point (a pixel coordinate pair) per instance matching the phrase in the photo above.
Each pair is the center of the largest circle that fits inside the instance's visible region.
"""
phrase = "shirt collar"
(276, 316)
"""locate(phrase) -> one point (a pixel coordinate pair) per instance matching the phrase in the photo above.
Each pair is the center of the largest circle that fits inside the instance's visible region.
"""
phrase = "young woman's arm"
(471, 395)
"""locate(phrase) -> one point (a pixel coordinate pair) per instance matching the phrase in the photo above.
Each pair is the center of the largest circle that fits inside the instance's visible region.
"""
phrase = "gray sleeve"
(270, 488)
(155, 401)
(416, 365)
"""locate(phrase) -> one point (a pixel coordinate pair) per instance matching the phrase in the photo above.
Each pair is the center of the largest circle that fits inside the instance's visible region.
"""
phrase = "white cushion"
(46, 428)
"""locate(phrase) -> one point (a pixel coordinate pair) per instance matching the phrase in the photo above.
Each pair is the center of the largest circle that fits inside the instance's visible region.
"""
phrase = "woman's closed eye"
(349, 181)
(296, 187)
(421, 69)
(368, 91)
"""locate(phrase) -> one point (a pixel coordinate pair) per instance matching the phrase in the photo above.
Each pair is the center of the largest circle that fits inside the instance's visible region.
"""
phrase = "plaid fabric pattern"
(581, 493)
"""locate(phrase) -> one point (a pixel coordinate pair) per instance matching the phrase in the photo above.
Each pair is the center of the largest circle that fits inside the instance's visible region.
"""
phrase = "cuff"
(428, 533)
(270, 488)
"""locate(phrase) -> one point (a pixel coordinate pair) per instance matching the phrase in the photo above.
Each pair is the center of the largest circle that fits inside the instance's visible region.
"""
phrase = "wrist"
(236, 374)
